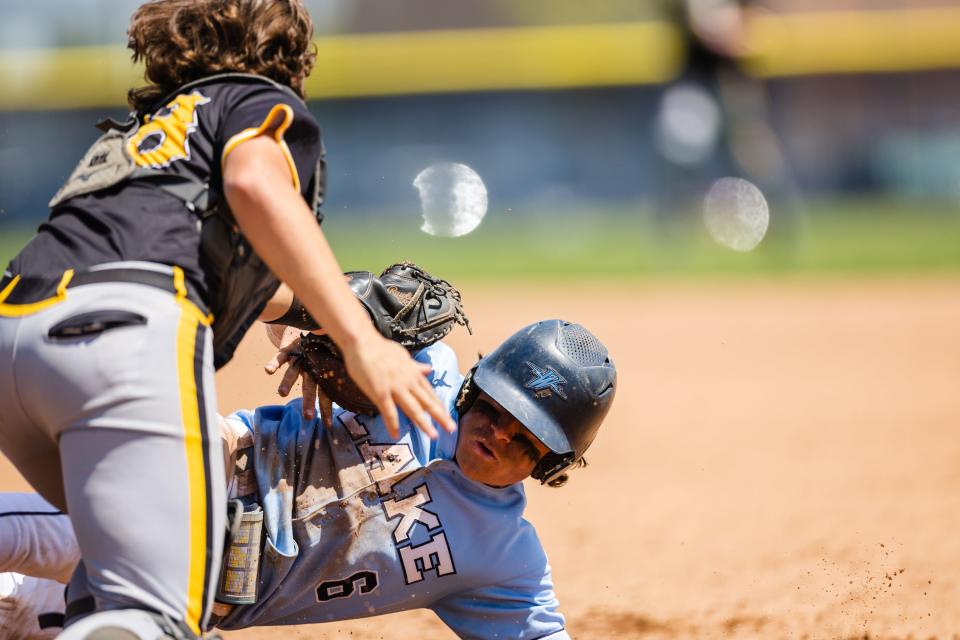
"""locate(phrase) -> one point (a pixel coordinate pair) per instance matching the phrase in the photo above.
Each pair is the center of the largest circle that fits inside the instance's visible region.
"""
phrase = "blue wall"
(540, 150)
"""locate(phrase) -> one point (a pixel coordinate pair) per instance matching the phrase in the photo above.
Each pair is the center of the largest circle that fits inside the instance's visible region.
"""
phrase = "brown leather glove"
(407, 305)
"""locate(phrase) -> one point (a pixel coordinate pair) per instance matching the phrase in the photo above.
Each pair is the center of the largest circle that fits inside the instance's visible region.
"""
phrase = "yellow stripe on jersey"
(277, 121)
(190, 319)
(15, 310)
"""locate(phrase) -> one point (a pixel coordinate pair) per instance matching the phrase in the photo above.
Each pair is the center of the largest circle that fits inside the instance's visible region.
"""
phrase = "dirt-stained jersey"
(191, 135)
(361, 524)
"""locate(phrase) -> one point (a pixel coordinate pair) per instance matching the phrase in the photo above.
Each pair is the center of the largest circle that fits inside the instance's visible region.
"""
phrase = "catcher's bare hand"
(287, 341)
(387, 374)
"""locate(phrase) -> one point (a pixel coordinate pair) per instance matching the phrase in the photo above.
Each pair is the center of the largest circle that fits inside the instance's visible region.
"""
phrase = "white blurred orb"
(687, 125)
(736, 214)
(453, 199)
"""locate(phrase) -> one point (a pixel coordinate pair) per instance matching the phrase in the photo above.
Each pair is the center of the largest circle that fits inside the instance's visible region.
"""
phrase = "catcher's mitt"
(407, 305)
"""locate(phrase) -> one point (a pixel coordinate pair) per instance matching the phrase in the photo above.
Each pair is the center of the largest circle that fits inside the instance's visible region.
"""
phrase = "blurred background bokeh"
(589, 133)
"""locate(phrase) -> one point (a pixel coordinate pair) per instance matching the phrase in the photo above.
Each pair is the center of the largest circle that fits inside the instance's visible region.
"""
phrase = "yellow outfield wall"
(568, 56)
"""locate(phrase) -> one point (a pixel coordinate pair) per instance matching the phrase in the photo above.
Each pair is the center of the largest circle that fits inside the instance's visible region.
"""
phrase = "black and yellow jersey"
(190, 136)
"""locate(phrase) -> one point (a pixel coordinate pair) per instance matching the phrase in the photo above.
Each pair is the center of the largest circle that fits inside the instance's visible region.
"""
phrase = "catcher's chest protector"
(241, 283)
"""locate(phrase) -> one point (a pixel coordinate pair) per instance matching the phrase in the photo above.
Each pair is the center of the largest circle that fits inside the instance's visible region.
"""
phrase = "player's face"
(493, 447)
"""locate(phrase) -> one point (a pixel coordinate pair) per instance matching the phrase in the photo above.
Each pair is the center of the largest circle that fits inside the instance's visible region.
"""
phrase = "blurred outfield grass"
(861, 237)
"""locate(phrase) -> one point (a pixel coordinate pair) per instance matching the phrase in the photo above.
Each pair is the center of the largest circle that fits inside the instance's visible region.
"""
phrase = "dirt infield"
(782, 461)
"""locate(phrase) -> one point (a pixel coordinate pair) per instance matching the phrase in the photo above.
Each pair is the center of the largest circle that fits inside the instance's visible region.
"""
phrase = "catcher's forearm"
(285, 309)
(277, 305)
(296, 316)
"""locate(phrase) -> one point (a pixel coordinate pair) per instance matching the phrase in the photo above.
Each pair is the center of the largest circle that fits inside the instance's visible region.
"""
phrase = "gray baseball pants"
(107, 408)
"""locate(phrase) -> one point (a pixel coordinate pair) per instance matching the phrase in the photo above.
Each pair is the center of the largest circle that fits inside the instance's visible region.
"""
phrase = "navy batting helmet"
(557, 379)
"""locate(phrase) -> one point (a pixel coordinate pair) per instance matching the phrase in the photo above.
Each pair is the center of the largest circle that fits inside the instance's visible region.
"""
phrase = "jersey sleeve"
(445, 379)
(240, 420)
(265, 110)
(524, 608)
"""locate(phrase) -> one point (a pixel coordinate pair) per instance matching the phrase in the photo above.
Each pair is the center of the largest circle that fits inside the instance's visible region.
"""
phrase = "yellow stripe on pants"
(190, 319)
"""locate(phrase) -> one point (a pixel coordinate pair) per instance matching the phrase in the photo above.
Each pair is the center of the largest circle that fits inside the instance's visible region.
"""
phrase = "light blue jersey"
(361, 524)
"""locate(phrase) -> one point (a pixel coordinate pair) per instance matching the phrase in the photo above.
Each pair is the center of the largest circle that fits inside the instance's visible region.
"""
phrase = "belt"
(22, 295)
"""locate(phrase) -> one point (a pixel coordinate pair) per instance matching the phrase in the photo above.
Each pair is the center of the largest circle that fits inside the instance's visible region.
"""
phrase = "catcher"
(162, 247)
(357, 522)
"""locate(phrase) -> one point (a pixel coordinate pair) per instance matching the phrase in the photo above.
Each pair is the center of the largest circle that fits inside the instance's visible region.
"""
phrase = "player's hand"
(387, 374)
(287, 341)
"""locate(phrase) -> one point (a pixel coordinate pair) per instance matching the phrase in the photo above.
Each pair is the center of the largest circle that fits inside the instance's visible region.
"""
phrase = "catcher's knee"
(127, 624)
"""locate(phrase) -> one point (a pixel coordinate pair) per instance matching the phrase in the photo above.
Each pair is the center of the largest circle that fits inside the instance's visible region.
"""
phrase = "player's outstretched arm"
(280, 226)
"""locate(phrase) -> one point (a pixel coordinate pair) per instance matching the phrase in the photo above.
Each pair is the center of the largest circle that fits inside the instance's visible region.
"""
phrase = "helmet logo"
(545, 382)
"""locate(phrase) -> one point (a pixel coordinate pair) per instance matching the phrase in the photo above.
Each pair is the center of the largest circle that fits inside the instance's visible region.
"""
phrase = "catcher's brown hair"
(184, 40)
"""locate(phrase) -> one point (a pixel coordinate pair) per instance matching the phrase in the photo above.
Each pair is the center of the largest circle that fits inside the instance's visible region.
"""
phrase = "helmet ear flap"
(552, 465)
